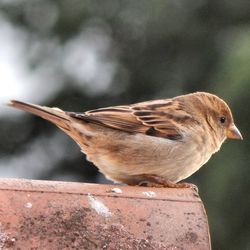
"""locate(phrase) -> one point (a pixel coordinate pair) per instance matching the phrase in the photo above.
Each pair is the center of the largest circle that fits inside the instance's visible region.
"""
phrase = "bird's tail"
(54, 115)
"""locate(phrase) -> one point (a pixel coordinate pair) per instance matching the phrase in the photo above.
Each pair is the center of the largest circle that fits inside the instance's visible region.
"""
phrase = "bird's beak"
(233, 133)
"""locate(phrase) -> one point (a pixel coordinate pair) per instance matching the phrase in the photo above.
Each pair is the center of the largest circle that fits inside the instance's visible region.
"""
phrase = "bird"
(155, 143)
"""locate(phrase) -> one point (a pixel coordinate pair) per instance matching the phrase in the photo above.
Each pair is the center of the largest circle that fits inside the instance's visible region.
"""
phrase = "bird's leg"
(158, 181)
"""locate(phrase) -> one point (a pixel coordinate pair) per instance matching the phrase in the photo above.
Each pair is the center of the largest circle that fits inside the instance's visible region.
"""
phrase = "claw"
(158, 181)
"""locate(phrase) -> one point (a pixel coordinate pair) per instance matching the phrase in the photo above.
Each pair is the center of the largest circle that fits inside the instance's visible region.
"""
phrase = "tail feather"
(54, 115)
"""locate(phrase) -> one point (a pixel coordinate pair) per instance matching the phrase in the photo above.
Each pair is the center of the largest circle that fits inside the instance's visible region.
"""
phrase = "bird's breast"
(120, 155)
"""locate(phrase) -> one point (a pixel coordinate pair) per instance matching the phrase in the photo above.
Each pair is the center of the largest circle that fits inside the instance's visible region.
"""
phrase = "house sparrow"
(160, 142)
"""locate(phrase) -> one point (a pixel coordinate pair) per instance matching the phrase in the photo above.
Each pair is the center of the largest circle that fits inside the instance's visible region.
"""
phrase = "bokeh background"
(81, 55)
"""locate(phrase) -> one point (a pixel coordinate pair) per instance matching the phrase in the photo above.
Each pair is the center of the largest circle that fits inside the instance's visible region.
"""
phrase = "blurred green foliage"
(100, 53)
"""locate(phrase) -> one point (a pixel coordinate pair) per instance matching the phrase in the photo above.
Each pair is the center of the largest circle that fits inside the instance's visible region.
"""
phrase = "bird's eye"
(222, 119)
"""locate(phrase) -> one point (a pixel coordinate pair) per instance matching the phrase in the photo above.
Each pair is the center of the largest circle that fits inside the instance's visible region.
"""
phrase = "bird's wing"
(161, 118)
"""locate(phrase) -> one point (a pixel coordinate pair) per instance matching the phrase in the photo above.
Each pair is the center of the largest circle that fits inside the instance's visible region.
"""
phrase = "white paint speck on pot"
(116, 190)
(98, 206)
(149, 194)
(28, 205)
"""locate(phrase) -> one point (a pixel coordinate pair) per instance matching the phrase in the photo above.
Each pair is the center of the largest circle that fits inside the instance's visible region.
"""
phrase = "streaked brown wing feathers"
(119, 117)
(158, 118)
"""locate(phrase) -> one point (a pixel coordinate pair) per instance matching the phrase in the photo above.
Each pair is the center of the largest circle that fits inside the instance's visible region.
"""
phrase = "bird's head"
(219, 117)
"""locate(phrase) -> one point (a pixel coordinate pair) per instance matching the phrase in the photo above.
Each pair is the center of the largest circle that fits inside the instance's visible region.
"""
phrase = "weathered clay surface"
(60, 215)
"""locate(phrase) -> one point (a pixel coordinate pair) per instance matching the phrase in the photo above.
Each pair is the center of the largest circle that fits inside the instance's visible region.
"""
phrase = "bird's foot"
(186, 185)
(160, 182)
